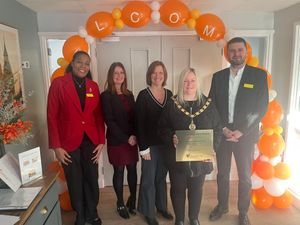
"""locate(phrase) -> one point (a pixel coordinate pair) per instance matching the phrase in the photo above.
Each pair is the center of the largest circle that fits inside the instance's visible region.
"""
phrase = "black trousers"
(243, 152)
(153, 187)
(82, 181)
(180, 183)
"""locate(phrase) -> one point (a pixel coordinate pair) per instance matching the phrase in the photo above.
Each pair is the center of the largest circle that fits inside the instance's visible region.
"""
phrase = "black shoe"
(194, 222)
(217, 213)
(166, 214)
(151, 221)
(96, 221)
(179, 222)
(243, 219)
(131, 205)
(122, 210)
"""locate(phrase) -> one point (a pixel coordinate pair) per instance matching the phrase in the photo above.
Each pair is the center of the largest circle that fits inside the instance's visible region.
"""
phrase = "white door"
(136, 53)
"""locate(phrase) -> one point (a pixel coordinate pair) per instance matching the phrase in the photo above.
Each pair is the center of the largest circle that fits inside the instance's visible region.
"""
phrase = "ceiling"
(214, 6)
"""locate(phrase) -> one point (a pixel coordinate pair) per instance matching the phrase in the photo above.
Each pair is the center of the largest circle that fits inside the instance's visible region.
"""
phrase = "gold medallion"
(192, 126)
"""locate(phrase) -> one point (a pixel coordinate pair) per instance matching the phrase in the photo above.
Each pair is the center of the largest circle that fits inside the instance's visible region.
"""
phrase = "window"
(292, 153)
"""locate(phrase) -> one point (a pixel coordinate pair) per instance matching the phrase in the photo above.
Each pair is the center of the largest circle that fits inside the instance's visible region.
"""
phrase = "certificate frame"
(194, 145)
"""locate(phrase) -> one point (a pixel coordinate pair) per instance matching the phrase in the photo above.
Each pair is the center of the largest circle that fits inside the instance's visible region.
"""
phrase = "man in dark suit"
(240, 94)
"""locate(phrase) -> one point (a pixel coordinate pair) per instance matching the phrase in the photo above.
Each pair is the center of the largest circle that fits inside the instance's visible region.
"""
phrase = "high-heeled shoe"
(122, 210)
(131, 205)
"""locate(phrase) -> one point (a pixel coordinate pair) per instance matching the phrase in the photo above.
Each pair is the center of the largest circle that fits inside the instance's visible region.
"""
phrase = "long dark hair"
(69, 68)
(109, 84)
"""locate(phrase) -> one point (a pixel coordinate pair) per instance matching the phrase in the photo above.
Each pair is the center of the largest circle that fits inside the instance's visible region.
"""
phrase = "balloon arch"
(270, 175)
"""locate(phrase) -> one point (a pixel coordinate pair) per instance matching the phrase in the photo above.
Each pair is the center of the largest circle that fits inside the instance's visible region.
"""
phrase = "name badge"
(89, 95)
(248, 85)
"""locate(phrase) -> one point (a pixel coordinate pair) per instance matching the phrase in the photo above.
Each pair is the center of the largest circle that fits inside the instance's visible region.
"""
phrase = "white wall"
(15, 15)
(282, 53)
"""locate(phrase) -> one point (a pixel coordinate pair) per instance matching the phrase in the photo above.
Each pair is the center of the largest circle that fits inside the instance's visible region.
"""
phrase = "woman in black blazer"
(188, 110)
(118, 112)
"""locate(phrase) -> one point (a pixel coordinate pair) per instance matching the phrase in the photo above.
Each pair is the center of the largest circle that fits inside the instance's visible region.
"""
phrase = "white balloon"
(155, 16)
(82, 32)
(256, 181)
(89, 39)
(256, 153)
(272, 95)
(155, 6)
(62, 186)
(264, 158)
(221, 43)
(276, 187)
(274, 161)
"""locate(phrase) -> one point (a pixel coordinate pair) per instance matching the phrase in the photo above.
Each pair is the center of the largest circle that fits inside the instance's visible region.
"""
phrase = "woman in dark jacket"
(121, 140)
(188, 110)
(149, 105)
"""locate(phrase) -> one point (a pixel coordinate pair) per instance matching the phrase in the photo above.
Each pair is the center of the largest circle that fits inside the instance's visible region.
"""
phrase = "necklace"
(79, 84)
(192, 125)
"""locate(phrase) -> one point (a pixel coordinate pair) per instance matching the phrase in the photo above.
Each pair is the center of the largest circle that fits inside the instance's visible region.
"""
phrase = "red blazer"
(66, 120)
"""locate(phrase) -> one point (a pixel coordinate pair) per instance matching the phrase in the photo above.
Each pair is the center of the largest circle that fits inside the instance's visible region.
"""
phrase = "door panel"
(177, 53)
(136, 53)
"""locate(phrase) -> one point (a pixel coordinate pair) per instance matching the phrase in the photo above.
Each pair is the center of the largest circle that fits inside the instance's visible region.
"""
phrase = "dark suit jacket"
(119, 128)
(251, 100)
(67, 123)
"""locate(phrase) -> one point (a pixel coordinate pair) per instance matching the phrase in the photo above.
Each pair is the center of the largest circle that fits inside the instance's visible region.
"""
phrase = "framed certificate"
(194, 145)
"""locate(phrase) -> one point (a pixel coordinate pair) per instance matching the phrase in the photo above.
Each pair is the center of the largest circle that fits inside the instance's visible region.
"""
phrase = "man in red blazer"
(77, 135)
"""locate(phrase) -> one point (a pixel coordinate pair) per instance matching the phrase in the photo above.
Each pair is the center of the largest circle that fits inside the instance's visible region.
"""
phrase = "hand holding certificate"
(194, 145)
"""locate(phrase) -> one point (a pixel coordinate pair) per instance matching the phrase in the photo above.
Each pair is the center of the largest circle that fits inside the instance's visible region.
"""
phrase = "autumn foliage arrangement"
(13, 129)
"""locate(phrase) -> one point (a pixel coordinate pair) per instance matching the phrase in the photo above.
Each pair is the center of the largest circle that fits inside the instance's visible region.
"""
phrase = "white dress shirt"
(234, 82)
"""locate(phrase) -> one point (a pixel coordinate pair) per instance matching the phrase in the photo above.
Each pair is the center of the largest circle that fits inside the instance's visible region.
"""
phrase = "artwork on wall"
(10, 61)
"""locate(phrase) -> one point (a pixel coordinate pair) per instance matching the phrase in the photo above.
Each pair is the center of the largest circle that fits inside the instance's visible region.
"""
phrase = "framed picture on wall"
(10, 61)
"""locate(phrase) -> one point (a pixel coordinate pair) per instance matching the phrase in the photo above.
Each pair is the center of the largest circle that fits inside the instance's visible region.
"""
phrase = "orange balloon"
(261, 199)
(274, 114)
(59, 72)
(210, 27)
(249, 52)
(271, 145)
(253, 61)
(65, 202)
(72, 45)
(174, 13)
(100, 24)
(136, 14)
(254, 163)
(284, 201)
(282, 171)
(264, 170)
(56, 167)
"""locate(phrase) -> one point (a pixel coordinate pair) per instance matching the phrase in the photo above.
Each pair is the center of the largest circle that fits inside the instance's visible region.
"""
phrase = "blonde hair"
(180, 94)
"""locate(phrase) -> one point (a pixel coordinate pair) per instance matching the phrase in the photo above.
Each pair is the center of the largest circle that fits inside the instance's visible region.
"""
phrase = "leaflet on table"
(15, 173)
(10, 171)
(30, 165)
